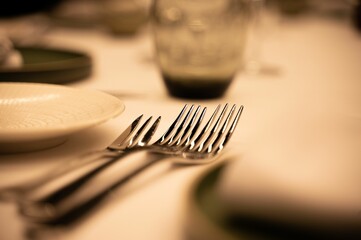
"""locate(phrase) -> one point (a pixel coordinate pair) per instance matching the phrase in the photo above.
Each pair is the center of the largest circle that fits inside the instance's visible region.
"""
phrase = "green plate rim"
(77, 66)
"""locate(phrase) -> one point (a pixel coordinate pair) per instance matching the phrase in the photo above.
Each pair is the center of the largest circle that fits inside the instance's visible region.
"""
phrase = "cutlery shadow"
(32, 165)
(69, 223)
(126, 185)
(132, 183)
(59, 229)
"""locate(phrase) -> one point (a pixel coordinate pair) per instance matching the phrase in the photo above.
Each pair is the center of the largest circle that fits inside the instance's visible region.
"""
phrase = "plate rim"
(76, 65)
(81, 60)
(60, 130)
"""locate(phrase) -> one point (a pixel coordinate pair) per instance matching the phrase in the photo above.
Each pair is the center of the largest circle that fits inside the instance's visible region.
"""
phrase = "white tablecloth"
(311, 59)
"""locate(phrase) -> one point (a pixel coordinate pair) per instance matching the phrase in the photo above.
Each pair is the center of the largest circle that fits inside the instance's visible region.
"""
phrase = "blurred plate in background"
(48, 65)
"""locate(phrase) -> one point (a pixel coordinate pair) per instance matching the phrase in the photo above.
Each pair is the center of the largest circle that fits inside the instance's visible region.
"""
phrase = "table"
(309, 63)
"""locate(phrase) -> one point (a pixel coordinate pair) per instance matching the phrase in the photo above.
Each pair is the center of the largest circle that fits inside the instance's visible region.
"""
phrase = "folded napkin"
(301, 166)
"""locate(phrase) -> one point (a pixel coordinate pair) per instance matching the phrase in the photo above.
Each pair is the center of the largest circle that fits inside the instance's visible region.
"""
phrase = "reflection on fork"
(183, 142)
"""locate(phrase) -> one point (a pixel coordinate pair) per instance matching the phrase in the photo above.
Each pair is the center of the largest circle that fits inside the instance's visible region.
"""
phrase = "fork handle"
(54, 177)
(60, 187)
(80, 202)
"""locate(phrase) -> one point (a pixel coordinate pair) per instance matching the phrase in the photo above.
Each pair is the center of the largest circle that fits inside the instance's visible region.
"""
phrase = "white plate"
(37, 116)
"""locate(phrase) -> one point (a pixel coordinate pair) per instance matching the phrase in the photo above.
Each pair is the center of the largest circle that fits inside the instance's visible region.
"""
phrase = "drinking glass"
(199, 44)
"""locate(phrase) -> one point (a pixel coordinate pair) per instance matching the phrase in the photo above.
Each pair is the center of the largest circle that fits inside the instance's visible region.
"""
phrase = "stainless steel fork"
(62, 176)
(58, 186)
(188, 148)
(55, 188)
(183, 143)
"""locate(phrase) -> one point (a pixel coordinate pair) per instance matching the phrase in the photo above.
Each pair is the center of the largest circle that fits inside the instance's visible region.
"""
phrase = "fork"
(57, 189)
(180, 143)
(54, 189)
(54, 181)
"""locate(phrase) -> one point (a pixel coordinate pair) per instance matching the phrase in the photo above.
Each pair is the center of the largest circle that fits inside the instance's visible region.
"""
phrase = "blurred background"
(25, 20)
(28, 22)
(114, 16)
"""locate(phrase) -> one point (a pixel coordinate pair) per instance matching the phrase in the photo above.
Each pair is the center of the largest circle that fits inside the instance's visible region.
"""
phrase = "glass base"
(193, 88)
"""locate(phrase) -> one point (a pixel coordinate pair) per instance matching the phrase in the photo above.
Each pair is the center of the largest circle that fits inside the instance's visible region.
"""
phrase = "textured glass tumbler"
(199, 44)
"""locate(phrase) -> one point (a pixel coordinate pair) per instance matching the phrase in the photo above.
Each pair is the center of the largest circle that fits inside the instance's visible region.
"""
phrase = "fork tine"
(178, 132)
(196, 140)
(210, 145)
(198, 124)
(149, 134)
(166, 135)
(124, 137)
(224, 140)
(137, 135)
(191, 128)
(208, 135)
